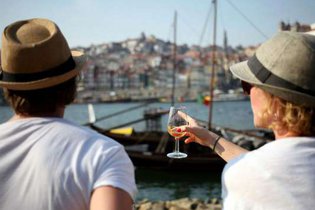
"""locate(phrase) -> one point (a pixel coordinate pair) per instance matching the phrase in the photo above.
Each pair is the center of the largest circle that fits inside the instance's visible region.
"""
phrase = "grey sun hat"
(283, 66)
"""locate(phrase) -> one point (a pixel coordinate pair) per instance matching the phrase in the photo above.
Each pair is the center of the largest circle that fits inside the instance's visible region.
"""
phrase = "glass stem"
(176, 145)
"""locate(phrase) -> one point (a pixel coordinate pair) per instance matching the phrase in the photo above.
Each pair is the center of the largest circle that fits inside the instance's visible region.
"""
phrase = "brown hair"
(41, 101)
(289, 116)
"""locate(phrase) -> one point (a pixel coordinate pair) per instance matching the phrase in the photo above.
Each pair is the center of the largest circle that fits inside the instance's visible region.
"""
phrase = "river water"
(166, 185)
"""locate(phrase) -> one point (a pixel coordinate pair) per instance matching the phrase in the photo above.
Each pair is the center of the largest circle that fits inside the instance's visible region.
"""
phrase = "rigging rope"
(246, 18)
(205, 25)
(192, 29)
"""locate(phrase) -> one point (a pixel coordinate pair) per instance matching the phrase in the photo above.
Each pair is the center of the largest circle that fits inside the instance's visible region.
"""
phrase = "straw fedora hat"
(283, 66)
(36, 55)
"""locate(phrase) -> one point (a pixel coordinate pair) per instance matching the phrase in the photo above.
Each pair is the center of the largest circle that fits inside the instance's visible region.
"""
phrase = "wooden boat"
(209, 162)
(149, 149)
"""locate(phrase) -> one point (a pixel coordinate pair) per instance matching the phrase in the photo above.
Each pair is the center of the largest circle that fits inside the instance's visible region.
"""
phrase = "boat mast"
(213, 62)
(174, 59)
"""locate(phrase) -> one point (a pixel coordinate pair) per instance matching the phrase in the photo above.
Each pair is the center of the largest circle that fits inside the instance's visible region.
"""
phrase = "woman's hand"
(197, 133)
(225, 149)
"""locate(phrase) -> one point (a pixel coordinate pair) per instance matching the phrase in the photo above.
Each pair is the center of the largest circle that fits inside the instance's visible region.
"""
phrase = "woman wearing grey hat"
(279, 175)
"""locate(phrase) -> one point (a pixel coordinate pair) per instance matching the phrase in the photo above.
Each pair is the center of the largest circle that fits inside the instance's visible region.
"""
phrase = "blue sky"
(86, 22)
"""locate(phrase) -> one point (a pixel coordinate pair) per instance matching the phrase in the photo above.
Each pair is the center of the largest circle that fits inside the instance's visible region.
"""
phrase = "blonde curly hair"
(285, 115)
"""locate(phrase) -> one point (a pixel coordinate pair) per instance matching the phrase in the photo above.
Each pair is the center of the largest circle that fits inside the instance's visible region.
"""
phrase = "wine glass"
(175, 120)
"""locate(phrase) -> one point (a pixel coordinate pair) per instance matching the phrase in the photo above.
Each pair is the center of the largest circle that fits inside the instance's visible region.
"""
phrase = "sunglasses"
(246, 87)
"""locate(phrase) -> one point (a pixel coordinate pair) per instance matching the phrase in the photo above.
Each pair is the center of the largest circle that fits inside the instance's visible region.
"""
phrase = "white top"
(53, 164)
(279, 175)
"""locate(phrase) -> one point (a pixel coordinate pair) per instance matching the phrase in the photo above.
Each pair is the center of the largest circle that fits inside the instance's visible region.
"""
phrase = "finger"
(192, 122)
(188, 128)
(187, 117)
(183, 128)
(189, 140)
(187, 134)
(183, 115)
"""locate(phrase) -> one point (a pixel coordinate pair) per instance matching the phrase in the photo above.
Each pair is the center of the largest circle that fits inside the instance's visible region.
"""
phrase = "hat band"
(267, 77)
(56, 71)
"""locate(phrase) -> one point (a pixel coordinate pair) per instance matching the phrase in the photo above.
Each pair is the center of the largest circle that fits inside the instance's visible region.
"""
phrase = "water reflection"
(168, 185)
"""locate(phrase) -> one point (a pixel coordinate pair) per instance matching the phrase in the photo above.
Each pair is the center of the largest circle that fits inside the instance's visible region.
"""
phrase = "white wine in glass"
(174, 122)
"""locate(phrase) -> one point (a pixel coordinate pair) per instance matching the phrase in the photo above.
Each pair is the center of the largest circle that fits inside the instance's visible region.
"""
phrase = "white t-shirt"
(278, 176)
(53, 164)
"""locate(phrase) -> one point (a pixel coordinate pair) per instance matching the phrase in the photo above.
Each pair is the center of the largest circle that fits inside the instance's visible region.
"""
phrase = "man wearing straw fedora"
(280, 80)
(47, 162)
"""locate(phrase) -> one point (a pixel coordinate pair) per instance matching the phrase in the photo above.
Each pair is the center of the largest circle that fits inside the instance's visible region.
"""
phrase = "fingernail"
(179, 130)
